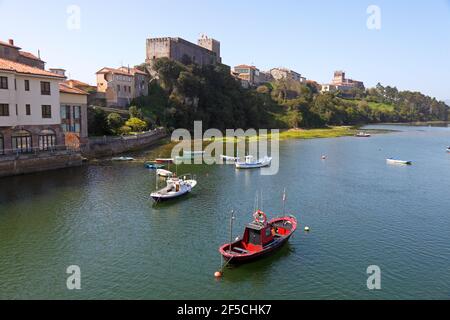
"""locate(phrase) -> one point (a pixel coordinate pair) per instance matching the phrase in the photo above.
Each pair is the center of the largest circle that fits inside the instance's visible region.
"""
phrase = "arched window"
(22, 142)
(47, 140)
(2, 144)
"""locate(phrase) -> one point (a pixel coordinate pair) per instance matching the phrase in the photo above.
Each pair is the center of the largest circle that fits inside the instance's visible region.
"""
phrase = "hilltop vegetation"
(182, 94)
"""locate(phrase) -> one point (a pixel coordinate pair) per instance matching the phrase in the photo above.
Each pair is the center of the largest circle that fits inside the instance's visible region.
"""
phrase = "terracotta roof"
(8, 45)
(64, 88)
(12, 66)
(77, 83)
(245, 66)
(116, 71)
(133, 71)
(29, 55)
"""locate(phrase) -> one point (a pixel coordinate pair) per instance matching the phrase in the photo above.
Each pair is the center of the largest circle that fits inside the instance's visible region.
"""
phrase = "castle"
(206, 52)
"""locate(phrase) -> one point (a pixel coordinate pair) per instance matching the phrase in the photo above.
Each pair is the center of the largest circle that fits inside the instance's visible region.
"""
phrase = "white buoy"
(307, 229)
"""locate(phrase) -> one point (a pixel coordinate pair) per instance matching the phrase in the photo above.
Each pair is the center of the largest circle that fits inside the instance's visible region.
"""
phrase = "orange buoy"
(218, 274)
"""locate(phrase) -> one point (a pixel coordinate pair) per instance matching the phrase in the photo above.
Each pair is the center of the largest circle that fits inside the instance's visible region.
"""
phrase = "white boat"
(175, 188)
(448, 149)
(251, 163)
(123, 159)
(401, 162)
(363, 135)
(164, 173)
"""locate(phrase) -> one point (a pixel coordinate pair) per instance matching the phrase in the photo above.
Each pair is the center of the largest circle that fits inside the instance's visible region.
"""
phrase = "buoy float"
(324, 157)
(307, 229)
(218, 274)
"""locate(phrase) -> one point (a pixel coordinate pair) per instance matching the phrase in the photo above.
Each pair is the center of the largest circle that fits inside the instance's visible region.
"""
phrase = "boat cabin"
(257, 236)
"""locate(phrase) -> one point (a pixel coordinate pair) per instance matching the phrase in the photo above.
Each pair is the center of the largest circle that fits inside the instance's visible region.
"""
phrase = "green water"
(361, 212)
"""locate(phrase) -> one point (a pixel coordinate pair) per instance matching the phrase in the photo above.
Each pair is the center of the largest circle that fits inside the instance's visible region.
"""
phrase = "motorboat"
(251, 163)
(261, 238)
(399, 162)
(448, 149)
(363, 135)
(123, 159)
(176, 187)
(164, 173)
(164, 160)
(154, 166)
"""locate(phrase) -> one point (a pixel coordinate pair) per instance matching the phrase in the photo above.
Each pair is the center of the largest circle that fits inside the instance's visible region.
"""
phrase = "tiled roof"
(29, 55)
(8, 45)
(65, 88)
(133, 71)
(115, 71)
(12, 66)
(245, 66)
(77, 83)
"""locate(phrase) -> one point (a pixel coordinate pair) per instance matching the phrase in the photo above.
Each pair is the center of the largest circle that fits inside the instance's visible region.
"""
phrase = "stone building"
(251, 75)
(207, 52)
(284, 73)
(342, 83)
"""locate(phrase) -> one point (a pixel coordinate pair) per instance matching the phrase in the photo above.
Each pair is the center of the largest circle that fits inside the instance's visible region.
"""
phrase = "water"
(361, 212)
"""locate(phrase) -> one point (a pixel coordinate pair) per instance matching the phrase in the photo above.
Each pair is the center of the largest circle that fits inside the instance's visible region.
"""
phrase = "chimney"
(11, 42)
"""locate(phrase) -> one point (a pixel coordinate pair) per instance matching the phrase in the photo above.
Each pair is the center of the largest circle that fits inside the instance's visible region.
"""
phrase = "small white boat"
(448, 149)
(175, 188)
(400, 162)
(123, 159)
(164, 173)
(363, 135)
(251, 163)
(229, 159)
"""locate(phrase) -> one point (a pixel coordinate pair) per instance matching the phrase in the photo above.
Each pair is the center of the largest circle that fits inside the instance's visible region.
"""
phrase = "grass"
(331, 132)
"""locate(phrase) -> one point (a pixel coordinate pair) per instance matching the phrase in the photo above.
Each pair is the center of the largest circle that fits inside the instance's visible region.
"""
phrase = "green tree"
(98, 122)
(135, 112)
(136, 124)
(115, 121)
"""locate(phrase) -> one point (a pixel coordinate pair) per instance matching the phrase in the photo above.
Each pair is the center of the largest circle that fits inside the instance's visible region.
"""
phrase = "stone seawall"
(29, 163)
(110, 146)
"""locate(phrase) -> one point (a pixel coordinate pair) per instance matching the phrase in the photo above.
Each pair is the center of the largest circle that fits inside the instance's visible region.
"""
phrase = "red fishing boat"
(164, 161)
(261, 238)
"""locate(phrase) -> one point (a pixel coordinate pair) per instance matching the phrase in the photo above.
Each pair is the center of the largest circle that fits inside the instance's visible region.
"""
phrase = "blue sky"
(411, 51)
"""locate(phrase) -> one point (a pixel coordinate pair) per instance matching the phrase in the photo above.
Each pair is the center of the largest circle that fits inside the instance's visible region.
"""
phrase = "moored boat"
(261, 238)
(448, 149)
(175, 188)
(164, 173)
(251, 163)
(229, 159)
(123, 159)
(363, 134)
(400, 162)
(153, 166)
(164, 160)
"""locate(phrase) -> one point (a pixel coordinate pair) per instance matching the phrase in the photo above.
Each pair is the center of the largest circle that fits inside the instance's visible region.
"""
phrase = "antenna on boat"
(284, 202)
(261, 206)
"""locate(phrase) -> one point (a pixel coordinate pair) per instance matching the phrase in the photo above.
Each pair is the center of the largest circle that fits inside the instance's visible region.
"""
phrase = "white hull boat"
(123, 159)
(175, 188)
(399, 162)
(363, 135)
(448, 149)
(250, 163)
(164, 173)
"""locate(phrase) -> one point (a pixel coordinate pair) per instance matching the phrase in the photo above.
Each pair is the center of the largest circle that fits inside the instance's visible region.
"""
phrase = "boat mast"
(284, 202)
(231, 228)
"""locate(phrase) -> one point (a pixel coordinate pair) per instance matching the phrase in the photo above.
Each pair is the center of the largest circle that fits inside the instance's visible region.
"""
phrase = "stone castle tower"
(210, 44)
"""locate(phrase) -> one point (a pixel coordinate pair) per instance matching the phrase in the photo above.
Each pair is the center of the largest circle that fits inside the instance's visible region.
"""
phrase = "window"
(22, 142)
(4, 110)
(15, 84)
(47, 140)
(118, 88)
(4, 83)
(46, 112)
(64, 112)
(2, 145)
(28, 110)
(45, 88)
(27, 85)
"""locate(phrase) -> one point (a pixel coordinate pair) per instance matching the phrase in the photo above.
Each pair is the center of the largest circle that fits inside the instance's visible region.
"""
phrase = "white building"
(29, 108)
(284, 73)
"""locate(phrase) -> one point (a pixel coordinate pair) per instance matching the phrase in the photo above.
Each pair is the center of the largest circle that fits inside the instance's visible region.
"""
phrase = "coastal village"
(44, 114)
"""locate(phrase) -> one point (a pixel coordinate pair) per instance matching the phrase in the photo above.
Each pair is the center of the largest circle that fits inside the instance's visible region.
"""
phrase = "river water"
(361, 212)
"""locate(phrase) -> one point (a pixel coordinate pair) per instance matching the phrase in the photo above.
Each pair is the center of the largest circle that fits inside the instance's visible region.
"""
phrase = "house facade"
(9, 51)
(251, 75)
(284, 73)
(73, 111)
(29, 109)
